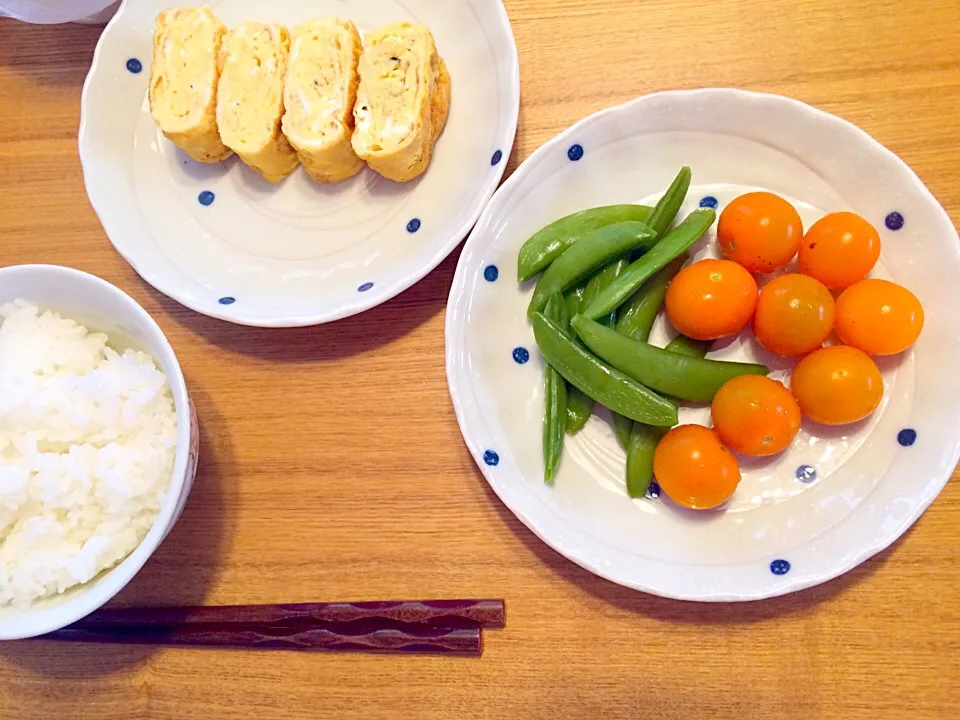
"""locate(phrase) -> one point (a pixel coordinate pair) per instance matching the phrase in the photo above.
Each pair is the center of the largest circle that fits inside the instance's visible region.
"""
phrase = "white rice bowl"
(88, 440)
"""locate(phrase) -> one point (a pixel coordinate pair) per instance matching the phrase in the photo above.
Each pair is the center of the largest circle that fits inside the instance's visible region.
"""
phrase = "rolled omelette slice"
(441, 100)
(319, 93)
(403, 101)
(183, 81)
(250, 98)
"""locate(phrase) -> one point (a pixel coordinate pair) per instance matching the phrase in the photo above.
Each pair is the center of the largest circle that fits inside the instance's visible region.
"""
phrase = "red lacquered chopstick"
(427, 626)
(365, 636)
(437, 613)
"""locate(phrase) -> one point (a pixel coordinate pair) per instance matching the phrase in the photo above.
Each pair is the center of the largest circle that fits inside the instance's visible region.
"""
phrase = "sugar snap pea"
(574, 299)
(674, 243)
(622, 427)
(601, 281)
(687, 378)
(555, 392)
(683, 345)
(641, 445)
(591, 288)
(547, 244)
(579, 406)
(579, 409)
(668, 206)
(644, 438)
(595, 251)
(636, 316)
(597, 379)
(635, 319)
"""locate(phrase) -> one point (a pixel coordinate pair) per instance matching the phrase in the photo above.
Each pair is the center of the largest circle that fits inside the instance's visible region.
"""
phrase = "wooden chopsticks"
(429, 626)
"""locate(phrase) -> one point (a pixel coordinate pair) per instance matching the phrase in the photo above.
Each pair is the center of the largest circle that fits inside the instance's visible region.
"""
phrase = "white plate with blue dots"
(224, 242)
(836, 496)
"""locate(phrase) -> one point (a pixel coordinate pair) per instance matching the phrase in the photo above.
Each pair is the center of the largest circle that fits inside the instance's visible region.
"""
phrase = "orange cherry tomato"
(755, 415)
(761, 231)
(711, 299)
(879, 317)
(839, 249)
(795, 314)
(694, 468)
(837, 385)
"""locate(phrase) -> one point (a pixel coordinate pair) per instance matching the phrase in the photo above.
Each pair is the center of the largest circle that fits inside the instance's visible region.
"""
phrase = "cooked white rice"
(87, 444)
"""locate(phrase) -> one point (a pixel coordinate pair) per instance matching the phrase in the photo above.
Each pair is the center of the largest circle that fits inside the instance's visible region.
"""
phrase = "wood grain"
(333, 467)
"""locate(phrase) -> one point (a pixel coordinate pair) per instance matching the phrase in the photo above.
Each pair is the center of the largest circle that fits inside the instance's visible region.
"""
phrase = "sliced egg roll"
(319, 93)
(250, 98)
(183, 81)
(402, 102)
(441, 100)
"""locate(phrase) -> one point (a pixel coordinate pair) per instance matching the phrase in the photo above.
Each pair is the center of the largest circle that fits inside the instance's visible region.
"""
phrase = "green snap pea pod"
(668, 206)
(622, 427)
(601, 281)
(579, 409)
(597, 379)
(644, 438)
(636, 316)
(574, 299)
(595, 251)
(555, 392)
(548, 244)
(674, 243)
(641, 446)
(683, 345)
(590, 291)
(635, 319)
(579, 406)
(687, 378)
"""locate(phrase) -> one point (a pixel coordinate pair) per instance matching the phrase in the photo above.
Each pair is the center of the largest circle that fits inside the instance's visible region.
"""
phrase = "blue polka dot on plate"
(575, 152)
(491, 273)
(366, 286)
(907, 437)
(709, 201)
(491, 458)
(413, 225)
(780, 567)
(227, 300)
(497, 157)
(894, 221)
(134, 66)
(806, 473)
(653, 492)
(206, 198)
(521, 355)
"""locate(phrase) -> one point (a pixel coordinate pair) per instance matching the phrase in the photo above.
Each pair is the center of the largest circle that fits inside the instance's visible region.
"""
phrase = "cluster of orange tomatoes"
(793, 315)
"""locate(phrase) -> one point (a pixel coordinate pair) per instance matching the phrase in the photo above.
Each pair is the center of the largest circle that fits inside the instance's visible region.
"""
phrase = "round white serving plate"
(225, 243)
(837, 496)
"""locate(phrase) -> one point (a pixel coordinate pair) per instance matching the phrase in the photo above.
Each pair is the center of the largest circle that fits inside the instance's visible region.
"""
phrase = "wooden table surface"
(312, 487)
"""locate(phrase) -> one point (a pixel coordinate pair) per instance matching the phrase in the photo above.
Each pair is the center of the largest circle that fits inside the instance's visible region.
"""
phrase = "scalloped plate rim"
(366, 301)
(459, 290)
